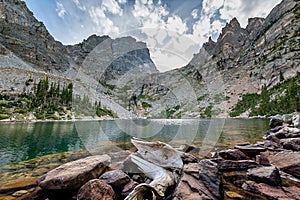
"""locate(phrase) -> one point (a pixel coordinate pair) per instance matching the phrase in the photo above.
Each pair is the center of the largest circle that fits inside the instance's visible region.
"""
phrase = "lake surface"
(24, 141)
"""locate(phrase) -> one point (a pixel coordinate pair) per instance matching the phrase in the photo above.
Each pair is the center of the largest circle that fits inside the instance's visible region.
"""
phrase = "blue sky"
(173, 29)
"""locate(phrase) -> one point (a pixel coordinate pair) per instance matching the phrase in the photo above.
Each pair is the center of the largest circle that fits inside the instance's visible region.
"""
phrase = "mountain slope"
(241, 61)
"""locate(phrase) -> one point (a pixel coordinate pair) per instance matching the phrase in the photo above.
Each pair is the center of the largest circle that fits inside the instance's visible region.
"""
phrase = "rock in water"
(74, 174)
(96, 189)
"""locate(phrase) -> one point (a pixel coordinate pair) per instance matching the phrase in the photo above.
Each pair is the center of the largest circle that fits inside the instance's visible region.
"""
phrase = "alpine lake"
(29, 150)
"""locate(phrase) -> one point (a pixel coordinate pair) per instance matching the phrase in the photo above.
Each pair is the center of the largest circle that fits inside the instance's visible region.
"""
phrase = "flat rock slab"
(96, 189)
(269, 175)
(232, 154)
(251, 149)
(287, 161)
(230, 165)
(272, 192)
(74, 174)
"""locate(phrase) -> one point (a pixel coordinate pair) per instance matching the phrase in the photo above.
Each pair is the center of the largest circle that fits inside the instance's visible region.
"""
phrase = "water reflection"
(23, 141)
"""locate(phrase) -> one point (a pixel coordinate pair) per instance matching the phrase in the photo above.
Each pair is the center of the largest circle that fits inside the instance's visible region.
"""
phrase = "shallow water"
(29, 150)
(24, 141)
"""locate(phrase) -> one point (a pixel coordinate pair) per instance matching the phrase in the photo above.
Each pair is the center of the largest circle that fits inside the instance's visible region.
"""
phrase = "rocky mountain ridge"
(241, 61)
(121, 73)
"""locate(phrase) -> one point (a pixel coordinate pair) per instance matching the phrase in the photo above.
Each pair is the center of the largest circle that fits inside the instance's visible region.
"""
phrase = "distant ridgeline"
(282, 98)
(44, 100)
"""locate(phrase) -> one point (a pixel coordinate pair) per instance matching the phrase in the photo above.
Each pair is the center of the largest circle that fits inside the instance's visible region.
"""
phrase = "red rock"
(232, 154)
(115, 178)
(74, 174)
(269, 175)
(96, 189)
(287, 161)
(230, 165)
(128, 188)
(195, 184)
(272, 192)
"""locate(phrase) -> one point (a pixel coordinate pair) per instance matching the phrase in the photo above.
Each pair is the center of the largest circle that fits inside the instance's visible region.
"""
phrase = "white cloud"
(60, 9)
(171, 39)
(103, 25)
(79, 5)
(244, 9)
(122, 1)
(112, 6)
(195, 13)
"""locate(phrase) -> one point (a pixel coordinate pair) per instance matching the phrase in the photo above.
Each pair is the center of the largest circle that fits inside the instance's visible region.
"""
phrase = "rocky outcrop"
(199, 181)
(73, 175)
(29, 39)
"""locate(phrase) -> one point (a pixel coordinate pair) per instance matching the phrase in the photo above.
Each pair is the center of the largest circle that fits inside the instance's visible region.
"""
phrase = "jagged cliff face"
(24, 38)
(241, 61)
(107, 59)
(28, 38)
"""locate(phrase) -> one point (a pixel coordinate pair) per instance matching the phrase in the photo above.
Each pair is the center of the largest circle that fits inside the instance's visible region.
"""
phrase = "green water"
(24, 141)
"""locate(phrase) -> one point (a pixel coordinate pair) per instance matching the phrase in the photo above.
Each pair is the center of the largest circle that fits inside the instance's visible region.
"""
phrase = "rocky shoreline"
(264, 170)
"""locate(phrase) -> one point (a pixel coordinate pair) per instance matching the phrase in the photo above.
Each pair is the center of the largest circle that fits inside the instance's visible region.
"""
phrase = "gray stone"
(276, 121)
(74, 174)
(296, 120)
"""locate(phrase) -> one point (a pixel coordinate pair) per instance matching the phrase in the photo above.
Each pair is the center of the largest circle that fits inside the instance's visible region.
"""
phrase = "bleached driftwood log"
(158, 161)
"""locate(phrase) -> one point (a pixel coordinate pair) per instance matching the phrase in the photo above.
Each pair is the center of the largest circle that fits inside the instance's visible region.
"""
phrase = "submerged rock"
(96, 189)
(74, 174)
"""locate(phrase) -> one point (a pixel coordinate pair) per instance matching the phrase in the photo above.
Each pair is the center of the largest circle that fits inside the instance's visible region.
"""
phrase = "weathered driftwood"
(158, 161)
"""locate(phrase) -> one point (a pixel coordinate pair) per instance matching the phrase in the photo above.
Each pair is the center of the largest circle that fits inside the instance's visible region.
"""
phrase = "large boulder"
(96, 189)
(269, 175)
(74, 174)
